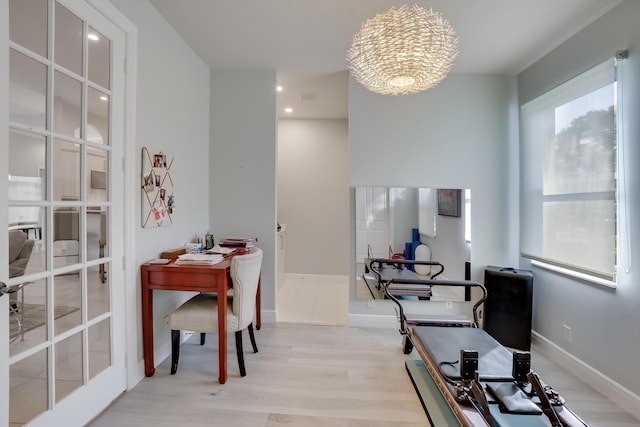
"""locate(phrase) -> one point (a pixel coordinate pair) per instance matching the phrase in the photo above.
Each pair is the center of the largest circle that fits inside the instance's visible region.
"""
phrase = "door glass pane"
(68, 366)
(98, 290)
(67, 97)
(68, 38)
(66, 171)
(99, 347)
(27, 169)
(28, 317)
(28, 388)
(97, 116)
(97, 283)
(27, 91)
(28, 24)
(67, 299)
(25, 257)
(99, 60)
(97, 176)
(96, 232)
(66, 237)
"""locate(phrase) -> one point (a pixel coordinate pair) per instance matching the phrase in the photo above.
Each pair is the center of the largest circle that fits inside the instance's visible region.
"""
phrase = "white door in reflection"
(372, 223)
(66, 354)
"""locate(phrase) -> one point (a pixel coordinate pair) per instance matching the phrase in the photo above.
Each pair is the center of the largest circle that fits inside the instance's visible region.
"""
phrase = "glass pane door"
(61, 206)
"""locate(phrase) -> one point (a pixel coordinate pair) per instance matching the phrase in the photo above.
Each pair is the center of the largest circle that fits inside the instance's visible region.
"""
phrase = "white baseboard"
(373, 321)
(621, 396)
(315, 277)
(268, 316)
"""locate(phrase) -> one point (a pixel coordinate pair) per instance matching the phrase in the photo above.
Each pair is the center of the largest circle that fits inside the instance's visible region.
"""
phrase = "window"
(568, 173)
(467, 215)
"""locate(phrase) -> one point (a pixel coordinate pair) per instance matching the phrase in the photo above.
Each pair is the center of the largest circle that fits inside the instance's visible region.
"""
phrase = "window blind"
(568, 174)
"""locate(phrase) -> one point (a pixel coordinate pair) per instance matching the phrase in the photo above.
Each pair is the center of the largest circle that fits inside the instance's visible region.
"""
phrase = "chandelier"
(403, 51)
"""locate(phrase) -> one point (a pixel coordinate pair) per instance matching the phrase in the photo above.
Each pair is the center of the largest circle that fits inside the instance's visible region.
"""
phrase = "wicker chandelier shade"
(403, 51)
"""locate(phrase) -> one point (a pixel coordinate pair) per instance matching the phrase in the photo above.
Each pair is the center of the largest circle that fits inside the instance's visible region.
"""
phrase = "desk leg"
(223, 286)
(147, 326)
(258, 308)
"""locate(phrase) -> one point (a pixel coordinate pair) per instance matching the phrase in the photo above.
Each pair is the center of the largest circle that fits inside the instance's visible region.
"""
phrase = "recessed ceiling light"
(288, 110)
(104, 98)
(93, 37)
(279, 88)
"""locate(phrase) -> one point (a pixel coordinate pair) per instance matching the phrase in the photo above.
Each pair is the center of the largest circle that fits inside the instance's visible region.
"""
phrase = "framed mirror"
(392, 222)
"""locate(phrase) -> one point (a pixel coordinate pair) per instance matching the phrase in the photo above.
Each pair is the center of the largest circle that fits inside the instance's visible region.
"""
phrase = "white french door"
(372, 222)
(64, 326)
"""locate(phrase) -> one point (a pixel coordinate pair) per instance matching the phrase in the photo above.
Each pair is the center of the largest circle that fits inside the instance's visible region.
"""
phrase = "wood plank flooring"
(303, 375)
(311, 376)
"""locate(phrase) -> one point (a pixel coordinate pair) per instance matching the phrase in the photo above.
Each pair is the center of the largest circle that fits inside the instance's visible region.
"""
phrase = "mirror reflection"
(411, 223)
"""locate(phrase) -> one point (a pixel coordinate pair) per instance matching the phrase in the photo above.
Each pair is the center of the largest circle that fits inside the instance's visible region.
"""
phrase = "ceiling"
(306, 41)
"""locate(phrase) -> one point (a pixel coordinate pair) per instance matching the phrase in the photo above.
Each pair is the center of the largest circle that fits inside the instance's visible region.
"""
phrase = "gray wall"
(242, 187)
(459, 134)
(603, 321)
(313, 195)
(172, 114)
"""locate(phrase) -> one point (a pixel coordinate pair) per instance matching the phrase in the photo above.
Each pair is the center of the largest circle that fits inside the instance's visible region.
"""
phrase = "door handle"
(5, 290)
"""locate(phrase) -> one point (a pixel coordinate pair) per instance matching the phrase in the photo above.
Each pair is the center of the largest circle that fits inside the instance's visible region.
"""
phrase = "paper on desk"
(199, 259)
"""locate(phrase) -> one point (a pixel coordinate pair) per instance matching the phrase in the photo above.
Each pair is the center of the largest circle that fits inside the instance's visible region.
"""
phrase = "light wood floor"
(311, 376)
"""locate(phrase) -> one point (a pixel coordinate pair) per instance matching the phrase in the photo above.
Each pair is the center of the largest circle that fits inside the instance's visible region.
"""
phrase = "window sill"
(581, 276)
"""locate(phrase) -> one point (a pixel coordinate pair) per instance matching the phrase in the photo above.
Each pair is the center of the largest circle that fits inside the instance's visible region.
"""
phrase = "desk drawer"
(203, 282)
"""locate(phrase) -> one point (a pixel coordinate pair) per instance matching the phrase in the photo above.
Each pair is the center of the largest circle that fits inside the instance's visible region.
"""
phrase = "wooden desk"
(198, 278)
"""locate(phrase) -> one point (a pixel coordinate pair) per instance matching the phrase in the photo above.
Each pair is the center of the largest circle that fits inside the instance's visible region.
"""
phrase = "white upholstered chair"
(200, 313)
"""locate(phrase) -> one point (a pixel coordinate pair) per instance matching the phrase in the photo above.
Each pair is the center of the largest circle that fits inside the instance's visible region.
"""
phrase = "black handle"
(5, 290)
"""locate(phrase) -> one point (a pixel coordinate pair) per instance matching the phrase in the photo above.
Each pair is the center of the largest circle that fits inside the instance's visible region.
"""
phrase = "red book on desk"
(238, 242)
(240, 250)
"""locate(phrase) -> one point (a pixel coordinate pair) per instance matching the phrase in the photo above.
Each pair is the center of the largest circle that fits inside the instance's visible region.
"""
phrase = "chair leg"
(202, 338)
(175, 350)
(253, 338)
(243, 372)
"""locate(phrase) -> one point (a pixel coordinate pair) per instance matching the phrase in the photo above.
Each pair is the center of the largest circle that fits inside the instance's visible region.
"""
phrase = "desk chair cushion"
(200, 314)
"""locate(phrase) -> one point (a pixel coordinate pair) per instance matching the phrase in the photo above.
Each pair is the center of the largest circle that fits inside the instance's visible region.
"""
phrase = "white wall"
(242, 185)
(172, 114)
(313, 195)
(604, 322)
(459, 134)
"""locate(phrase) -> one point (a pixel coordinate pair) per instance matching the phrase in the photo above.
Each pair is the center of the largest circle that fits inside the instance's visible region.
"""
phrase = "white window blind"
(568, 174)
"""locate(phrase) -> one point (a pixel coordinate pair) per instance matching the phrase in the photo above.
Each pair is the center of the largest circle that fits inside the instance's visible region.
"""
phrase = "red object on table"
(194, 278)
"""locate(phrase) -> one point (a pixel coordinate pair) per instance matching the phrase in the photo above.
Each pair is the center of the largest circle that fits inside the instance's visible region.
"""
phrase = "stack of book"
(217, 249)
(238, 242)
(199, 259)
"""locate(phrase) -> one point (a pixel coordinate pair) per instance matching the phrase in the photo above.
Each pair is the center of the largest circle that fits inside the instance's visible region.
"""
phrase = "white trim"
(372, 321)
(268, 316)
(4, 247)
(575, 274)
(317, 277)
(621, 396)
(134, 364)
